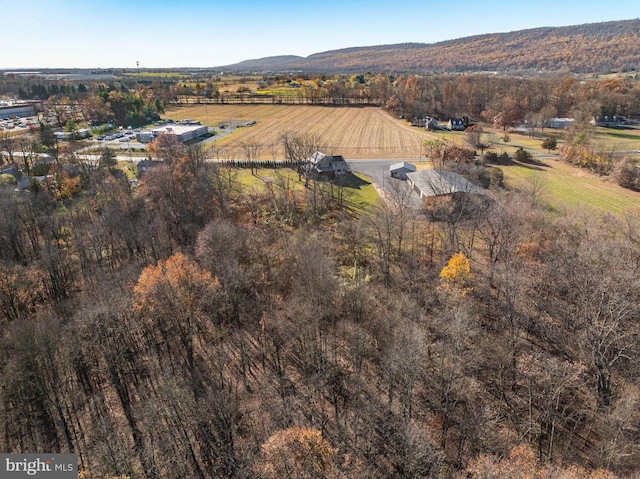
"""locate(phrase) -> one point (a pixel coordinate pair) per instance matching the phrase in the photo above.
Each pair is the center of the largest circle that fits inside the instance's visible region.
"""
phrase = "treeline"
(123, 102)
(505, 100)
(195, 327)
(44, 92)
(511, 101)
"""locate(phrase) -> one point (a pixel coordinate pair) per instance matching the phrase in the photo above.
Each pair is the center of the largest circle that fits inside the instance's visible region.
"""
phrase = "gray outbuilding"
(400, 170)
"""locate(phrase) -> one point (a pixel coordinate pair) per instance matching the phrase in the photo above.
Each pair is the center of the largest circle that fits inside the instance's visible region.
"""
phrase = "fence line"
(274, 100)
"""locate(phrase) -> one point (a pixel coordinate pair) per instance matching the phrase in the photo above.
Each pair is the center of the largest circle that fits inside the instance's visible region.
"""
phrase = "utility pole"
(138, 67)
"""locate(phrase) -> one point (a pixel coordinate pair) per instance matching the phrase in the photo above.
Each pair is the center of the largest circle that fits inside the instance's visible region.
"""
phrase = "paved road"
(378, 172)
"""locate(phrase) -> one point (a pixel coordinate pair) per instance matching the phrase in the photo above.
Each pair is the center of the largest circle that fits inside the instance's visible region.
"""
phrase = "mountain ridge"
(591, 47)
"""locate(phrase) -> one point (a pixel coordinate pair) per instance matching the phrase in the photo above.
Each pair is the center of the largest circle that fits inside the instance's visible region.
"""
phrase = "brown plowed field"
(354, 132)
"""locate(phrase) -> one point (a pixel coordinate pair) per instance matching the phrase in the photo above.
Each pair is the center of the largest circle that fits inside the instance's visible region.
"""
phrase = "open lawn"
(618, 140)
(359, 191)
(365, 132)
(559, 184)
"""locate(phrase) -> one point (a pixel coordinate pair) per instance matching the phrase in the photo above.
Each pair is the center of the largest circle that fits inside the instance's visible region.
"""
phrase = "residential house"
(327, 166)
(432, 124)
(144, 165)
(456, 124)
(608, 121)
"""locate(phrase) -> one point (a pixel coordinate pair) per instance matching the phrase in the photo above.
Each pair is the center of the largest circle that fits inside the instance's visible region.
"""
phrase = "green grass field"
(563, 186)
(618, 140)
(358, 188)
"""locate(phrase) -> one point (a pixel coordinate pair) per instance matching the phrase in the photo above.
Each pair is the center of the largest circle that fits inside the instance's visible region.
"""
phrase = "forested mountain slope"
(596, 47)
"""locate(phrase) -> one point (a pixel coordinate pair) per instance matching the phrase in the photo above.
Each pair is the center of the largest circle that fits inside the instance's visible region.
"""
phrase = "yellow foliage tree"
(61, 185)
(457, 273)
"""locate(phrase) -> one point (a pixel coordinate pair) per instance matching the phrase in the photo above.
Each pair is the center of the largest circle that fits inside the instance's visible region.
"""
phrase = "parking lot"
(120, 139)
(13, 124)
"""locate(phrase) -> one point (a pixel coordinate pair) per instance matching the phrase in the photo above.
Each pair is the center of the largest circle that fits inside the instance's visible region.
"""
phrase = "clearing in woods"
(371, 133)
(364, 132)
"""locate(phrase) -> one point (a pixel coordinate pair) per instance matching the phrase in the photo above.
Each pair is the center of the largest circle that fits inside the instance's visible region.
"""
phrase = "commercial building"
(19, 109)
(182, 132)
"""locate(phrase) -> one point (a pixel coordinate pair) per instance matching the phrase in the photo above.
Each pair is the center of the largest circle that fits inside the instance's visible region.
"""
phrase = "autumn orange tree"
(296, 453)
(178, 301)
(62, 186)
(166, 147)
(522, 463)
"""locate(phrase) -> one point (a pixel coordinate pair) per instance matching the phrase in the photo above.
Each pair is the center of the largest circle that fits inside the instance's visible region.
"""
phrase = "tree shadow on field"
(531, 165)
(352, 181)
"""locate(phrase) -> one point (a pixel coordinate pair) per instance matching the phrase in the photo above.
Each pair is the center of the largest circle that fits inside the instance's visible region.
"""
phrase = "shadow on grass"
(532, 165)
(618, 134)
(352, 181)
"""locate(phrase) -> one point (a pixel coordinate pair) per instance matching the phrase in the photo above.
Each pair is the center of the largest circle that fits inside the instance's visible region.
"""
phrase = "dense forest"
(597, 47)
(197, 327)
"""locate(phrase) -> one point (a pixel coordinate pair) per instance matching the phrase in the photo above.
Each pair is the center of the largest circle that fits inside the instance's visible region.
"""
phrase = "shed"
(400, 170)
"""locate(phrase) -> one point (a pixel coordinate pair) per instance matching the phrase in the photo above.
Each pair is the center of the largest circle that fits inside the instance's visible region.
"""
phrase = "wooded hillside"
(195, 327)
(597, 47)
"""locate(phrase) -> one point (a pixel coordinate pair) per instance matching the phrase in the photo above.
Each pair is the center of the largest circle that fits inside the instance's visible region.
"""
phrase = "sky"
(200, 33)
